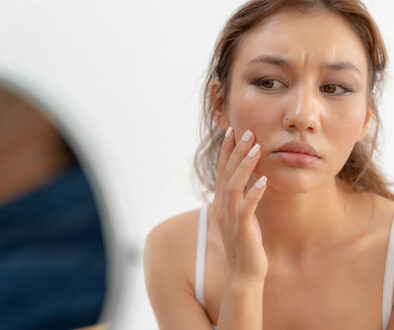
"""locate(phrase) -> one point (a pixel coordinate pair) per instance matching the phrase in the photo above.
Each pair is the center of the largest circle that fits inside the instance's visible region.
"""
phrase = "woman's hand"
(234, 212)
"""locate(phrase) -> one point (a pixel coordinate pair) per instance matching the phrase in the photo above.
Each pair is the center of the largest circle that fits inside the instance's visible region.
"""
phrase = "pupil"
(330, 89)
(269, 82)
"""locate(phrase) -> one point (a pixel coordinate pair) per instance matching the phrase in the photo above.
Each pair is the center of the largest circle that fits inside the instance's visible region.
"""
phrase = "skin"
(304, 249)
(299, 104)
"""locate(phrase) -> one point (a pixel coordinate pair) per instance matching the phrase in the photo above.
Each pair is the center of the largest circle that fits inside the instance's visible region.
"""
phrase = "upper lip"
(294, 146)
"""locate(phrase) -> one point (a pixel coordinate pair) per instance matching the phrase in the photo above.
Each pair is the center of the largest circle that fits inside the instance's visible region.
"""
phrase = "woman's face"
(300, 77)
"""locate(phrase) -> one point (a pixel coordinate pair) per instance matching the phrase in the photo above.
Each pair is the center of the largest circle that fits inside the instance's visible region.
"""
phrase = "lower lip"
(296, 158)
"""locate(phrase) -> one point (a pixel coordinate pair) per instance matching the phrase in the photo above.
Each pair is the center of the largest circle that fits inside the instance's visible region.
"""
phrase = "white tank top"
(200, 267)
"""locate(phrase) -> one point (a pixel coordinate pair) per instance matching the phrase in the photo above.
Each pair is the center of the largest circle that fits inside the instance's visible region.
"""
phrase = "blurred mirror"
(52, 257)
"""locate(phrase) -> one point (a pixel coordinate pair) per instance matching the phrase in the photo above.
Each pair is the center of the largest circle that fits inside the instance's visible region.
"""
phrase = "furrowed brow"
(269, 59)
(281, 62)
(342, 66)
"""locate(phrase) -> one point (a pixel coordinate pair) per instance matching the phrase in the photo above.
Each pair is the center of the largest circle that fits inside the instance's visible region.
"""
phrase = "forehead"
(304, 38)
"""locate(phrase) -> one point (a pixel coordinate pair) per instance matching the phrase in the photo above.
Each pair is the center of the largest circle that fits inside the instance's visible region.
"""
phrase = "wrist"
(241, 282)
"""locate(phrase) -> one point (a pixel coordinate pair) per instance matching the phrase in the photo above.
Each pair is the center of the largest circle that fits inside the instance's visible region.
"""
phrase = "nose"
(303, 110)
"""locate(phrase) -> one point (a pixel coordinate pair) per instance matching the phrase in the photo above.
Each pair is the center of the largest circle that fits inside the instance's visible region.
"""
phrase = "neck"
(295, 226)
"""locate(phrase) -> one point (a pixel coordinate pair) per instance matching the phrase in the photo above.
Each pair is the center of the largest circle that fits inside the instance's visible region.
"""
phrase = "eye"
(331, 88)
(268, 84)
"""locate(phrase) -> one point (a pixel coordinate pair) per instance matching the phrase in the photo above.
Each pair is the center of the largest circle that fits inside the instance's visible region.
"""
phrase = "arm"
(172, 298)
(170, 294)
(242, 305)
(242, 302)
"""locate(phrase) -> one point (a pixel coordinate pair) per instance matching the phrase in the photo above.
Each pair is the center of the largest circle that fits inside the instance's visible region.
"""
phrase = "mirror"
(53, 261)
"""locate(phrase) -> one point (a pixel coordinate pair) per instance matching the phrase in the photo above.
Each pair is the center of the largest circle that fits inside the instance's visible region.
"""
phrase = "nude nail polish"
(247, 135)
(228, 132)
(254, 151)
(260, 183)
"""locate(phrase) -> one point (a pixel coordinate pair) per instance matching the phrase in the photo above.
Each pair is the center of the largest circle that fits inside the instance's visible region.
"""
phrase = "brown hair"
(359, 170)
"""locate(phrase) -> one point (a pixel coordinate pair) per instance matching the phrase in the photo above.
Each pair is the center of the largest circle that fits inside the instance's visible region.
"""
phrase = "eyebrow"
(281, 62)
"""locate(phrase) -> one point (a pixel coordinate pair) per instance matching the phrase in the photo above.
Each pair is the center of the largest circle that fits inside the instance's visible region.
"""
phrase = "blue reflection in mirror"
(52, 257)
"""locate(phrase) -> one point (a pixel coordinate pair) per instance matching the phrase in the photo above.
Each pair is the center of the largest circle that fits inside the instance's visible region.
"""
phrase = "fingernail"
(260, 183)
(228, 132)
(247, 135)
(254, 151)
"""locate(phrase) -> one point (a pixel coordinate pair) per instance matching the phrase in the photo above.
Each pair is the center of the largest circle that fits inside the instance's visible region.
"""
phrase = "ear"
(216, 99)
(366, 125)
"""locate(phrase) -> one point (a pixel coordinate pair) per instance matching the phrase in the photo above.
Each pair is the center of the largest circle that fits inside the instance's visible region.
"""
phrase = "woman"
(290, 98)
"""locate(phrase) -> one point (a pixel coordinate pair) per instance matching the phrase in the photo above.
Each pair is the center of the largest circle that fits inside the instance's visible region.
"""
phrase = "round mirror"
(53, 259)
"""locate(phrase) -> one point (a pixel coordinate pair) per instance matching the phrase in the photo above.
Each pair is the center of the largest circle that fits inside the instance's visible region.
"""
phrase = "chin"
(292, 180)
(291, 189)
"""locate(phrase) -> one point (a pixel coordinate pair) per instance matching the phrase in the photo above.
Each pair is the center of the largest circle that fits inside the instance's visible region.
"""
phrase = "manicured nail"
(254, 151)
(228, 132)
(247, 135)
(260, 183)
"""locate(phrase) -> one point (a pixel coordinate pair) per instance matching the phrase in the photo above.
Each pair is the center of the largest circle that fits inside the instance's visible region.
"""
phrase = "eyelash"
(259, 82)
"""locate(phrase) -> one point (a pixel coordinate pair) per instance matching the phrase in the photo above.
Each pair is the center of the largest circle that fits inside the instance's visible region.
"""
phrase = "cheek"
(341, 131)
(340, 123)
(344, 127)
(248, 111)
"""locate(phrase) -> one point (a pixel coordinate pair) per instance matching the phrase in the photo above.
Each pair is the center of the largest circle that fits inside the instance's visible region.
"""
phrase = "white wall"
(127, 76)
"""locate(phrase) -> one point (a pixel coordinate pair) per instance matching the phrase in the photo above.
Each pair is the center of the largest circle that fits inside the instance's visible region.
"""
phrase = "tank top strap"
(388, 281)
(200, 254)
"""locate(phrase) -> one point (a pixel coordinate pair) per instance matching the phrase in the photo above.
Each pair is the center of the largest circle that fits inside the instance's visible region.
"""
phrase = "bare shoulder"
(174, 233)
(170, 246)
(169, 265)
(384, 211)
(178, 224)
(375, 212)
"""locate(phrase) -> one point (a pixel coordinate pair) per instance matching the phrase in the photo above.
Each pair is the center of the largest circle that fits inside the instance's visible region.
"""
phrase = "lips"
(297, 147)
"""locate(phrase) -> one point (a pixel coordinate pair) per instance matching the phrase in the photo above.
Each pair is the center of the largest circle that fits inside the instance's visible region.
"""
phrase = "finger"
(236, 185)
(225, 153)
(240, 150)
(249, 204)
